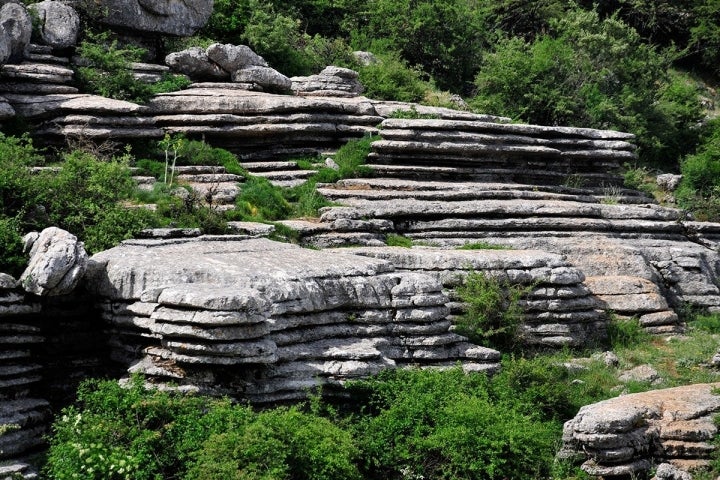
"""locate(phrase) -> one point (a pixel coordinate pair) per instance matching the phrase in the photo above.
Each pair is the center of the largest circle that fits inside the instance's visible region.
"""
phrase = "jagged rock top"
(173, 17)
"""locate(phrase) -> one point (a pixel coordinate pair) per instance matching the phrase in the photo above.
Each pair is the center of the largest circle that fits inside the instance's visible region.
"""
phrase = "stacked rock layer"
(448, 183)
(625, 436)
(267, 321)
(559, 308)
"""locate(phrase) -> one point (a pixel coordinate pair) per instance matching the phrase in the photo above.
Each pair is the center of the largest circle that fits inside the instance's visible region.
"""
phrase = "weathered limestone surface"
(15, 32)
(626, 435)
(331, 82)
(174, 17)
(286, 318)
(57, 262)
(559, 308)
(58, 23)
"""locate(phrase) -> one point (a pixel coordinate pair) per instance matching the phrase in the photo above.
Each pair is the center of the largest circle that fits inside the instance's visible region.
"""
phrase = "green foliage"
(392, 79)
(494, 315)
(626, 333)
(394, 240)
(126, 433)
(259, 200)
(104, 68)
(412, 114)
(445, 39)
(594, 73)
(305, 199)
(639, 178)
(275, 445)
(351, 157)
(12, 260)
(699, 191)
(709, 323)
(447, 425)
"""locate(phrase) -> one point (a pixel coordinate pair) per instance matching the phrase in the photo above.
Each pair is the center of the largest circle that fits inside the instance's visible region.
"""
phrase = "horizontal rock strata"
(625, 436)
(285, 319)
(559, 308)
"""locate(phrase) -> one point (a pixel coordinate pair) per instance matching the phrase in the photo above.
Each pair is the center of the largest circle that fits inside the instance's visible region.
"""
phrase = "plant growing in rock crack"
(171, 147)
(493, 312)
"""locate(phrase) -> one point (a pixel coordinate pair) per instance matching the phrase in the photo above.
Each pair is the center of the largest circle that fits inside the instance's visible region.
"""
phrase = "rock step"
(46, 58)
(482, 175)
(506, 128)
(271, 118)
(210, 178)
(199, 169)
(36, 72)
(36, 88)
(460, 193)
(436, 136)
(286, 175)
(268, 166)
(420, 210)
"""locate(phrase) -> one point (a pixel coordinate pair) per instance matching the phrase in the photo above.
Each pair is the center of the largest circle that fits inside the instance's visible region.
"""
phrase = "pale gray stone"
(267, 78)
(668, 181)
(174, 17)
(194, 63)
(641, 373)
(59, 23)
(232, 58)
(15, 32)
(57, 263)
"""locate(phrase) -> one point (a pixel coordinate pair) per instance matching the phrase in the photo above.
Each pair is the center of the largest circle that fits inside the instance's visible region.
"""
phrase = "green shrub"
(104, 68)
(706, 323)
(626, 333)
(259, 200)
(12, 261)
(639, 178)
(115, 224)
(278, 444)
(446, 425)
(125, 433)
(394, 240)
(351, 157)
(392, 79)
(494, 315)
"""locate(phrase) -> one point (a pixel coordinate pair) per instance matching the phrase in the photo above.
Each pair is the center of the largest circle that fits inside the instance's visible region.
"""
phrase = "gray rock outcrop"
(625, 436)
(58, 23)
(232, 58)
(194, 63)
(173, 17)
(268, 79)
(57, 263)
(285, 318)
(15, 32)
(331, 82)
(559, 310)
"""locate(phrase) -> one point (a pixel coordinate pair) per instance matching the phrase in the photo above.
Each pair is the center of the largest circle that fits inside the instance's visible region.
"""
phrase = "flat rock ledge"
(626, 436)
(267, 321)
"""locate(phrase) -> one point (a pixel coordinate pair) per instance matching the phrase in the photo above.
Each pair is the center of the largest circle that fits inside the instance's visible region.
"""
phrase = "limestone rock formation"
(268, 79)
(232, 58)
(626, 435)
(331, 82)
(15, 32)
(58, 23)
(285, 318)
(57, 263)
(173, 17)
(194, 63)
(559, 309)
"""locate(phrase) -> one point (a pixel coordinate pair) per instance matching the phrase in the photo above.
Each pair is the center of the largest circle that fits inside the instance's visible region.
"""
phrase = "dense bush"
(493, 314)
(12, 260)
(699, 191)
(592, 73)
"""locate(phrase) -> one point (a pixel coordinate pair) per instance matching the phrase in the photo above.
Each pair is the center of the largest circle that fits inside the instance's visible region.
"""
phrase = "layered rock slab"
(559, 310)
(625, 436)
(266, 321)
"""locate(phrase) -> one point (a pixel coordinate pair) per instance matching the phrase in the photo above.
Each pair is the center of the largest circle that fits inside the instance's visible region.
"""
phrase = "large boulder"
(331, 82)
(270, 80)
(173, 17)
(58, 23)
(15, 32)
(194, 63)
(57, 262)
(234, 57)
(625, 436)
